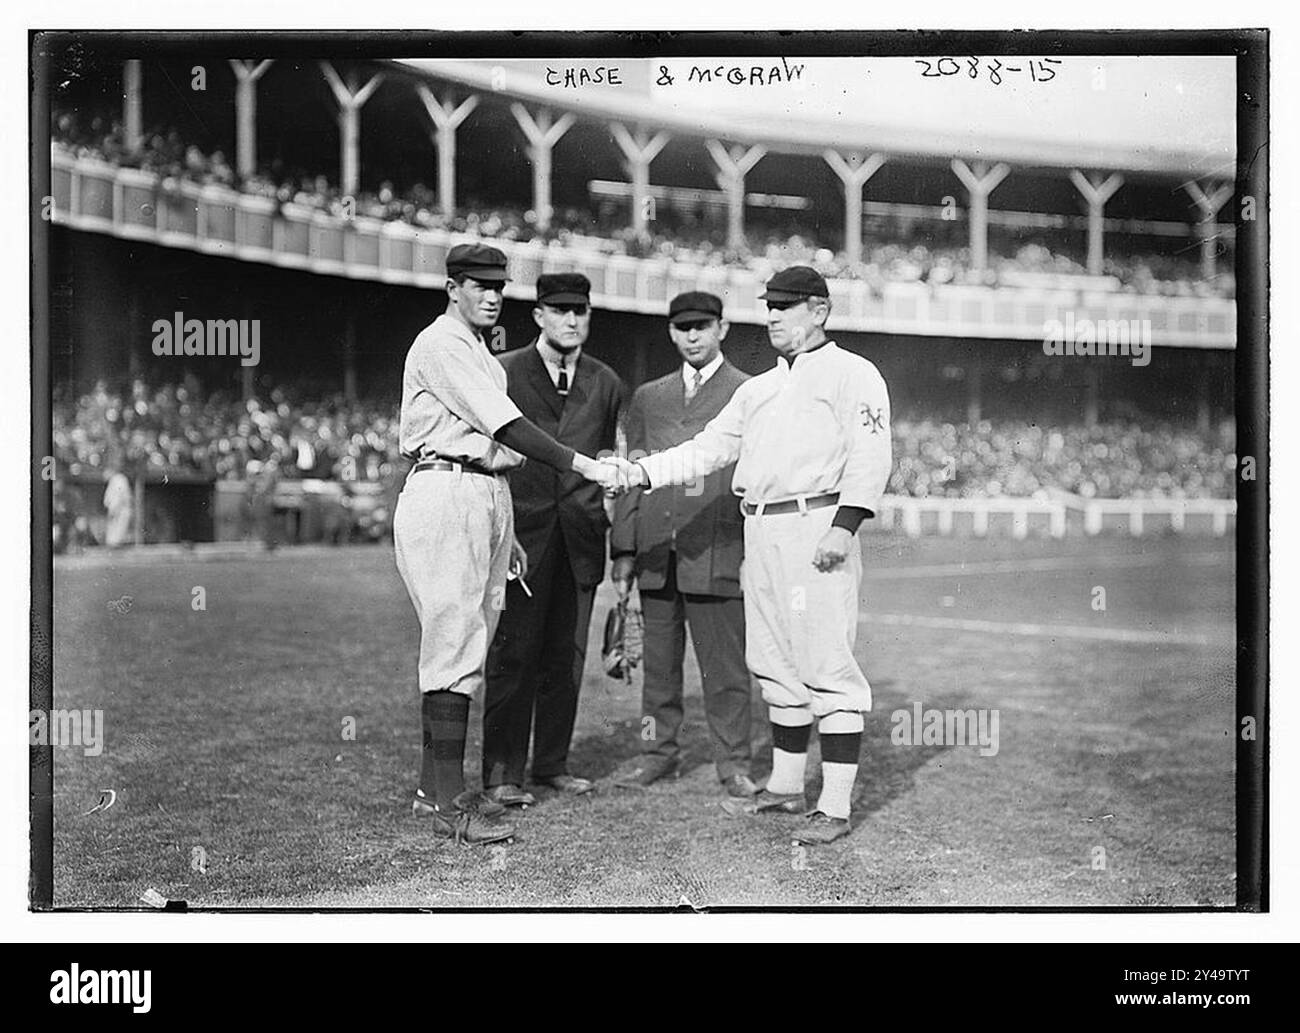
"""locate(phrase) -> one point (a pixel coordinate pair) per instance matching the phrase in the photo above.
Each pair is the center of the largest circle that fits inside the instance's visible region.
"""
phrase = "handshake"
(613, 473)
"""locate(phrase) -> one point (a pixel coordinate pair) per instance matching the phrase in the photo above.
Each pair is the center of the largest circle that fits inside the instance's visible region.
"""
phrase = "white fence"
(1055, 518)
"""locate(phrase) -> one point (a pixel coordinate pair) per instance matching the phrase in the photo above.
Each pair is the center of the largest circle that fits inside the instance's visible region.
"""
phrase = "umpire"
(534, 668)
(685, 546)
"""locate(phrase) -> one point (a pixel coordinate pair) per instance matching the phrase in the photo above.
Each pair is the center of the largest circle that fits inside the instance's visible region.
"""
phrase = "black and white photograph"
(657, 472)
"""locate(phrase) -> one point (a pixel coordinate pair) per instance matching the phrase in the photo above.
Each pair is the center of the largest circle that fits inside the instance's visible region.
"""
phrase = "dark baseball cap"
(563, 289)
(694, 305)
(795, 284)
(483, 263)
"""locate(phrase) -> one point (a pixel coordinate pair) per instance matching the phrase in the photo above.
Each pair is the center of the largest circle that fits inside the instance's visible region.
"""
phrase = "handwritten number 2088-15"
(1039, 71)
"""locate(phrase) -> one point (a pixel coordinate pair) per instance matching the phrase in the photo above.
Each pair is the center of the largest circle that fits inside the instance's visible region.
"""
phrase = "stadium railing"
(1053, 517)
(218, 511)
(92, 195)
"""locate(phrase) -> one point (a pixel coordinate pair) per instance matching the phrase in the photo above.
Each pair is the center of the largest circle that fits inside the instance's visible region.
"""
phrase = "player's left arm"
(869, 455)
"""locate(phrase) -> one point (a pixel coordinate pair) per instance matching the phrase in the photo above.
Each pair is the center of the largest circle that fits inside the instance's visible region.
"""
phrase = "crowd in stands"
(912, 254)
(174, 431)
(1023, 459)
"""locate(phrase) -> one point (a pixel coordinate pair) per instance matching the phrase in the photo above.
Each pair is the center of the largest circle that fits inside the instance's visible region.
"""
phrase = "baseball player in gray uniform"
(810, 439)
(453, 526)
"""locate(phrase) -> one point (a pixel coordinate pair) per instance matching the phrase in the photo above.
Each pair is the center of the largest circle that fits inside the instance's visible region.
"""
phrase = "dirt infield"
(236, 784)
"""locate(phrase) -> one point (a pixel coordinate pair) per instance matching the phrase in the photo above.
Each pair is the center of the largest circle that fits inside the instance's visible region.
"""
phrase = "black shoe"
(572, 785)
(422, 806)
(511, 796)
(467, 821)
(646, 772)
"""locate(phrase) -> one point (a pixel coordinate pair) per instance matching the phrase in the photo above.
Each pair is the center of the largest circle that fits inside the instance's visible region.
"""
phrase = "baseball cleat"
(821, 829)
(768, 802)
(741, 787)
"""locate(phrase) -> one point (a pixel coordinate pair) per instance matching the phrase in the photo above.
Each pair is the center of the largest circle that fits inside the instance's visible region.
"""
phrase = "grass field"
(235, 786)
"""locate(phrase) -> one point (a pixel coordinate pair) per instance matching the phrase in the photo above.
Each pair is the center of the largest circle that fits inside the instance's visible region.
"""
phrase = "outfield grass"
(225, 734)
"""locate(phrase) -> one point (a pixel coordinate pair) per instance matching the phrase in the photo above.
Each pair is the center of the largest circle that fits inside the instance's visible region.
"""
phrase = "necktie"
(693, 388)
(562, 385)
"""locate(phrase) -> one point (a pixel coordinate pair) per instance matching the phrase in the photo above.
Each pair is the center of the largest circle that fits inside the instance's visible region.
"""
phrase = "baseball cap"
(483, 263)
(795, 284)
(693, 305)
(563, 289)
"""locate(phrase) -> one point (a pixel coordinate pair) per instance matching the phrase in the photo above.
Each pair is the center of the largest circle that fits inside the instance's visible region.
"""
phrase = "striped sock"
(789, 758)
(837, 789)
(839, 772)
(445, 720)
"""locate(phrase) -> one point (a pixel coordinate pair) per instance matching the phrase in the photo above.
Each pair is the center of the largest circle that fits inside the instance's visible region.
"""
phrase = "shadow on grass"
(886, 771)
(598, 756)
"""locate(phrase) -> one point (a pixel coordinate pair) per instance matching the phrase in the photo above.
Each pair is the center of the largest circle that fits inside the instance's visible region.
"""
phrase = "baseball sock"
(789, 758)
(840, 751)
(445, 720)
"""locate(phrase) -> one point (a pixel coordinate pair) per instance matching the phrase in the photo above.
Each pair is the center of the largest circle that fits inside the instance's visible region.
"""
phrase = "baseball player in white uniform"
(453, 526)
(118, 503)
(811, 443)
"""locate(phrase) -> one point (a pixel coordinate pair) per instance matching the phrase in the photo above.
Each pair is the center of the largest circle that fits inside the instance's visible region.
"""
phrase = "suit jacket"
(587, 421)
(704, 527)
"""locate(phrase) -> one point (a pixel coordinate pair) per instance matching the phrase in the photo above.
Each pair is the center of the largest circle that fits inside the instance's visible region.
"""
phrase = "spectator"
(169, 430)
(898, 250)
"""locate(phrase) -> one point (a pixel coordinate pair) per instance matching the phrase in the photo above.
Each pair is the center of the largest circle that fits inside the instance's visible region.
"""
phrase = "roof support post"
(446, 117)
(542, 134)
(1209, 200)
(246, 75)
(1096, 192)
(854, 169)
(640, 149)
(350, 101)
(133, 103)
(980, 181)
(733, 165)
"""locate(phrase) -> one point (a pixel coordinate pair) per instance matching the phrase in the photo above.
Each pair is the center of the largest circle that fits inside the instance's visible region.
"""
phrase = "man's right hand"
(623, 574)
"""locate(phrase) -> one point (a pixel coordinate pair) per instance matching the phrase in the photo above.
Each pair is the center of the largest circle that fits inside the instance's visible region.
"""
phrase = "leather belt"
(797, 505)
(450, 464)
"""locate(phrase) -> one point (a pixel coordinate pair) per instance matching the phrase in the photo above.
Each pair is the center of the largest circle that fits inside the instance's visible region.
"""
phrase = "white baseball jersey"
(454, 398)
(816, 425)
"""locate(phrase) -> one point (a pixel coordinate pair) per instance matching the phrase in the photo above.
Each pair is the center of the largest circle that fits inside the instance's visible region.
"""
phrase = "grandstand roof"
(1166, 115)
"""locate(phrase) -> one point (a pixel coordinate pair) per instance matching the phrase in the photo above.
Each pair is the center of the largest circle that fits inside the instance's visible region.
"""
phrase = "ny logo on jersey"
(875, 420)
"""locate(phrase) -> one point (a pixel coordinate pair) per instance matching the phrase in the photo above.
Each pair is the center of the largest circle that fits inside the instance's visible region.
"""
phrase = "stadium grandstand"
(319, 199)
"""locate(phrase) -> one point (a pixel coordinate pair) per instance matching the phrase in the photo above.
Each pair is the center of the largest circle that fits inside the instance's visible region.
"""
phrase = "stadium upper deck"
(492, 124)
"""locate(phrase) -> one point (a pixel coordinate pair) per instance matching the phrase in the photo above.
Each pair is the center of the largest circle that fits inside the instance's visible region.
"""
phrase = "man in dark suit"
(534, 667)
(685, 545)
